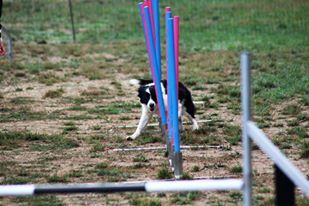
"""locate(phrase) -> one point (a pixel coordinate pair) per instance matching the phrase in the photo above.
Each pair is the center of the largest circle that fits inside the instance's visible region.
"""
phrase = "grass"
(304, 152)
(9, 140)
(216, 20)
(54, 93)
(236, 196)
(164, 173)
(291, 110)
(48, 200)
(299, 131)
(146, 139)
(92, 73)
(57, 179)
(185, 198)
(21, 100)
(236, 169)
(110, 173)
(49, 78)
(24, 115)
(232, 134)
(145, 202)
(195, 168)
(114, 108)
(69, 127)
(140, 158)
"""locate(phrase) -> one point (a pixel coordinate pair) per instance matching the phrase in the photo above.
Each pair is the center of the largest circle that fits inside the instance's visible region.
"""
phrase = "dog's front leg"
(180, 113)
(146, 116)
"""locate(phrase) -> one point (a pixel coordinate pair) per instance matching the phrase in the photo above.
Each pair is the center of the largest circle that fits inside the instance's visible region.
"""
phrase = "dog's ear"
(142, 94)
(153, 93)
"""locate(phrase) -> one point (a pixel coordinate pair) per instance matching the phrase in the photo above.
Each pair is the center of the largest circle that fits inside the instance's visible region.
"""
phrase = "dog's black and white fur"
(148, 100)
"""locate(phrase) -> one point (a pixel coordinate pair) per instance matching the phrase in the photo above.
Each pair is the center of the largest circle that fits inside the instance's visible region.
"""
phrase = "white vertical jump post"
(246, 142)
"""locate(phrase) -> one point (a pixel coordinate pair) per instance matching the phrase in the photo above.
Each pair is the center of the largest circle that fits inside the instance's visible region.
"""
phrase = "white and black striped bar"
(151, 186)
(278, 157)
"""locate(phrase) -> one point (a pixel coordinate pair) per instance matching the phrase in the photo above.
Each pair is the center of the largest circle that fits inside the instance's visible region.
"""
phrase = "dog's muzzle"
(151, 107)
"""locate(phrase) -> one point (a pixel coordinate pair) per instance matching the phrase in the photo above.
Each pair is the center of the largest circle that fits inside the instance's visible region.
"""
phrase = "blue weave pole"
(168, 14)
(141, 11)
(172, 85)
(156, 77)
(156, 17)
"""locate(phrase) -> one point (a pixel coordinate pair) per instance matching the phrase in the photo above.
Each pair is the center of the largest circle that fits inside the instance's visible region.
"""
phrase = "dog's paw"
(195, 127)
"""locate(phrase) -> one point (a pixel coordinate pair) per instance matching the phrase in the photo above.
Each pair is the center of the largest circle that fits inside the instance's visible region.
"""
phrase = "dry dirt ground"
(91, 116)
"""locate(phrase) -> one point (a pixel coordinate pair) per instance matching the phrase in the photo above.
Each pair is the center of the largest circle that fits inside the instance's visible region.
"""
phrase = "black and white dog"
(148, 100)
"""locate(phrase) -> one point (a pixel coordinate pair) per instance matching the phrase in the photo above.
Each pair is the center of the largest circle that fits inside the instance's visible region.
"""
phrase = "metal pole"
(72, 20)
(246, 116)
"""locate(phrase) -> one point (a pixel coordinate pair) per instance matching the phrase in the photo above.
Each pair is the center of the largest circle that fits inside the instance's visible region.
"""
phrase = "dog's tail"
(139, 82)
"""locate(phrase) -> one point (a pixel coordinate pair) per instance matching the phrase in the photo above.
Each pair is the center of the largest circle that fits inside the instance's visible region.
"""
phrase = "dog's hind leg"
(190, 110)
(145, 118)
(193, 121)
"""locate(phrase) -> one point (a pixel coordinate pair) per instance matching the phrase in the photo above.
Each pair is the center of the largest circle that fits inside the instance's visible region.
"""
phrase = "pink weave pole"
(176, 47)
(168, 14)
(149, 4)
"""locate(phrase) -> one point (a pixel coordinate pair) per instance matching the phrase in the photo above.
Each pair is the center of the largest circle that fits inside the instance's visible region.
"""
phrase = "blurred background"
(205, 24)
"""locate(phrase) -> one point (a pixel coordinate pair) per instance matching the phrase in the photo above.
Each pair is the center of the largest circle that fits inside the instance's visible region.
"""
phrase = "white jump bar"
(194, 185)
(278, 157)
(150, 186)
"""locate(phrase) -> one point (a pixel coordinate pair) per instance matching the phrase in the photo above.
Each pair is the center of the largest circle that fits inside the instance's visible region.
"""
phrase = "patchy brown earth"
(92, 113)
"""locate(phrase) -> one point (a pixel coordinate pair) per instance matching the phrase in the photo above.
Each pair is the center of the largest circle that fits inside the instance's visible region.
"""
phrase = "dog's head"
(147, 96)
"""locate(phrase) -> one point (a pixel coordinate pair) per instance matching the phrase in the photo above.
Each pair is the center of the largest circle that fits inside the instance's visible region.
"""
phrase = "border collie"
(148, 100)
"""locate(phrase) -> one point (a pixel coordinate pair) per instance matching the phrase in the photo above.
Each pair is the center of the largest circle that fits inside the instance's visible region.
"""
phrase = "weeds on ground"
(54, 93)
(49, 200)
(9, 140)
(185, 198)
(145, 202)
(164, 173)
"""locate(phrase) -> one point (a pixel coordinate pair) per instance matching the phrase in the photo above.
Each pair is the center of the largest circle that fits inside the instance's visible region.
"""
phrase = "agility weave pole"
(172, 85)
(150, 186)
(149, 12)
(153, 61)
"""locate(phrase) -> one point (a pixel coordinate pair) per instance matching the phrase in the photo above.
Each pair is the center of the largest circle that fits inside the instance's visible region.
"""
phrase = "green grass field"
(62, 104)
